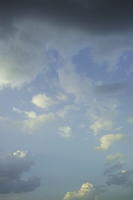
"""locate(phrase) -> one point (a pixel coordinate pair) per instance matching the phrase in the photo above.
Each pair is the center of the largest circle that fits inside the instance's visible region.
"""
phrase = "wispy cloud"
(32, 121)
(101, 125)
(116, 157)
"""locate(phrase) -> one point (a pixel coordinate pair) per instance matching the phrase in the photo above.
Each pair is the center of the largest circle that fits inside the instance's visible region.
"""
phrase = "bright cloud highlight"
(106, 141)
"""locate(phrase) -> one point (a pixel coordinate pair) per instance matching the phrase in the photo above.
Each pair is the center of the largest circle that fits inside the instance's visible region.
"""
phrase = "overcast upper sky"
(66, 100)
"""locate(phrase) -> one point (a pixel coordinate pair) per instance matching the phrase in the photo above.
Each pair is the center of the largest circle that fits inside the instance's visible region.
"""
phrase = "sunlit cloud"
(107, 141)
(20, 154)
(65, 131)
(42, 101)
(100, 125)
(85, 190)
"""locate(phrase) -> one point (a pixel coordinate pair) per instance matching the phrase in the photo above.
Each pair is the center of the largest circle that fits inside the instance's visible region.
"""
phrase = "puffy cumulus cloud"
(100, 125)
(86, 191)
(118, 184)
(117, 157)
(12, 168)
(107, 140)
(65, 131)
(42, 101)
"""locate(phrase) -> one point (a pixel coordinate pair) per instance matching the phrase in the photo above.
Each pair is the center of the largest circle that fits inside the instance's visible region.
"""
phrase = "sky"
(66, 102)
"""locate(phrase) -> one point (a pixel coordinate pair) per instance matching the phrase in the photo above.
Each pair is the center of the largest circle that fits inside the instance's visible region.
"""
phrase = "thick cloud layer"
(12, 168)
(92, 15)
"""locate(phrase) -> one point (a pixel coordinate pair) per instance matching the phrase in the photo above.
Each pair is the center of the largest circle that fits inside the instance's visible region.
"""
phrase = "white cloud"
(100, 125)
(65, 131)
(20, 154)
(42, 101)
(85, 190)
(124, 171)
(31, 114)
(107, 140)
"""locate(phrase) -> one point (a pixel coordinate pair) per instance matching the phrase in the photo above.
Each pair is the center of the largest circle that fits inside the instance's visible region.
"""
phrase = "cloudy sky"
(66, 100)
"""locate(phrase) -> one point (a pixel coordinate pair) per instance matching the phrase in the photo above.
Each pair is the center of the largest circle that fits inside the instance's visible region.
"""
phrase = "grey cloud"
(26, 33)
(93, 15)
(121, 178)
(19, 186)
(113, 168)
(117, 175)
(100, 189)
(12, 169)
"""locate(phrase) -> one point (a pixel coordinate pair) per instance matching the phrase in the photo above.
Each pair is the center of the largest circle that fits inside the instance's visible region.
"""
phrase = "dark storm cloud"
(12, 169)
(93, 15)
